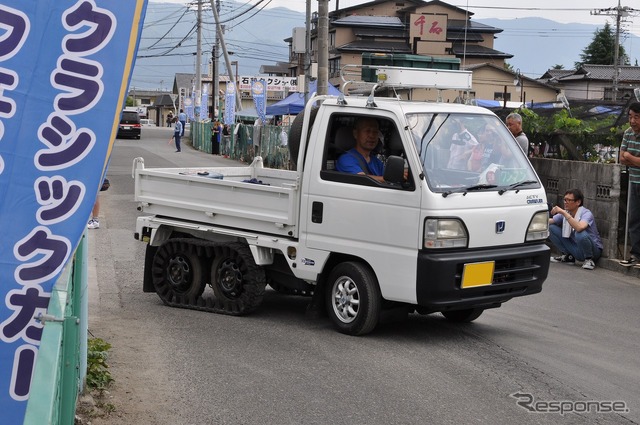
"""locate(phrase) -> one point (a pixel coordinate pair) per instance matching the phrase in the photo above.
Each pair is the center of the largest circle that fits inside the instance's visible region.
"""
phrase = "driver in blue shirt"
(360, 159)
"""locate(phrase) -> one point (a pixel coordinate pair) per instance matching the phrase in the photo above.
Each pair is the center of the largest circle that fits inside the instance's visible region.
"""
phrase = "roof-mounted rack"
(402, 78)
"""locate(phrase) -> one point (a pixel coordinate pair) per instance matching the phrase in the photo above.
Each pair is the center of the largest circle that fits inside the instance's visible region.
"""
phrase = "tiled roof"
(473, 50)
(380, 32)
(375, 46)
(417, 4)
(375, 2)
(593, 72)
(508, 71)
(163, 100)
(369, 21)
(606, 72)
(184, 80)
(454, 35)
(472, 26)
(557, 73)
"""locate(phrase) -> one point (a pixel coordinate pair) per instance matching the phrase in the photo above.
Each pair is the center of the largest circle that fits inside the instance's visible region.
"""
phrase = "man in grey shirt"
(514, 123)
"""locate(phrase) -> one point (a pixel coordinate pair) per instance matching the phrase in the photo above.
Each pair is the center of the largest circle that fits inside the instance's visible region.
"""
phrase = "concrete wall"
(601, 185)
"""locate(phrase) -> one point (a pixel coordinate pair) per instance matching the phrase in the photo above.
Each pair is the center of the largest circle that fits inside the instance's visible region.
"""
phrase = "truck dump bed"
(250, 198)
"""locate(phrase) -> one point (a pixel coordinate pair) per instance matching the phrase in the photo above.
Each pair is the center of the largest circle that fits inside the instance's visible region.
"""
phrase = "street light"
(518, 81)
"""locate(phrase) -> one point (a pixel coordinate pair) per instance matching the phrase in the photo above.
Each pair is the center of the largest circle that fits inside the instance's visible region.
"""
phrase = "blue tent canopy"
(294, 103)
(250, 113)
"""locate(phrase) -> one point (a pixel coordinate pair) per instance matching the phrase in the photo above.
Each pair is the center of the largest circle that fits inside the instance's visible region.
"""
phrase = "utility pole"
(323, 47)
(216, 67)
(619, 12)
(214, 76)
(227, 62)
(307, 54)
(198, 93)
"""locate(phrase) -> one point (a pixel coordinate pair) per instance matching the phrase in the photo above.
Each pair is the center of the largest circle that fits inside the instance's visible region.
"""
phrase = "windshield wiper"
(464, 190)
(515, 185)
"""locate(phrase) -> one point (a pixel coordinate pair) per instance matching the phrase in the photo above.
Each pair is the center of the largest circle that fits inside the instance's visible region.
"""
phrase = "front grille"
(506, 271)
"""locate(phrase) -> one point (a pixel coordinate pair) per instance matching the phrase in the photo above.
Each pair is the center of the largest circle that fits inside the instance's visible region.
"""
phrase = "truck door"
(349, 213)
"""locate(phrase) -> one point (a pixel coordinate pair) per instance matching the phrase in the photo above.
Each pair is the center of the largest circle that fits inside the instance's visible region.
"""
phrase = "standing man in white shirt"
(514, 123)
(182, 117)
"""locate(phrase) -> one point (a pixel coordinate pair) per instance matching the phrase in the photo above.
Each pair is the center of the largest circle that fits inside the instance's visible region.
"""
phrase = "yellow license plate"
(477, 274)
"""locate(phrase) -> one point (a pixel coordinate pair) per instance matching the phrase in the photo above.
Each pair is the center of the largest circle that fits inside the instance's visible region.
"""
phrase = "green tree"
(558, 66)
(602, 48)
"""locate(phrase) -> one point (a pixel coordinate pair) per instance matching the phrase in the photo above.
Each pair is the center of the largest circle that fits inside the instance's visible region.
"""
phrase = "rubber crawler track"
(253, 278)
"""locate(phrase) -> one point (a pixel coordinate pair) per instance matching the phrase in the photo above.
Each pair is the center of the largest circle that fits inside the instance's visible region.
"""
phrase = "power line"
(618, 12)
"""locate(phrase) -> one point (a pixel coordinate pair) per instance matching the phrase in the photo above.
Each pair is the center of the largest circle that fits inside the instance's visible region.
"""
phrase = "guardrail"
(62, 356)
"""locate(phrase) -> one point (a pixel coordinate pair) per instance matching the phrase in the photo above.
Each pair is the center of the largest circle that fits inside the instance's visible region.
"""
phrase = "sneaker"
(93, 224)
(589, 264)
(564, 258)
(632, 261)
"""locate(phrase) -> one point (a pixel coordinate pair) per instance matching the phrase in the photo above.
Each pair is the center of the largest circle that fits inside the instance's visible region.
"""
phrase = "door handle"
(316, 212)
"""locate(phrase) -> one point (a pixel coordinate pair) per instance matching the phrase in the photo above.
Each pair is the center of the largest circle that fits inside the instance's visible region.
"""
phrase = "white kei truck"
(432, 237)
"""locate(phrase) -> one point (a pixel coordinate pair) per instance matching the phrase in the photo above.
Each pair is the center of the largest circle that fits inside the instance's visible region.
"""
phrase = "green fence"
(62, 357)
(245, 142)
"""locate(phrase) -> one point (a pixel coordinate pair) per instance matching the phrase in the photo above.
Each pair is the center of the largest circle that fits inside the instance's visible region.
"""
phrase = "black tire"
(295, 135)
(149, 254)
(353, 298)
(177, 272)
(463, 316)
(238, 283)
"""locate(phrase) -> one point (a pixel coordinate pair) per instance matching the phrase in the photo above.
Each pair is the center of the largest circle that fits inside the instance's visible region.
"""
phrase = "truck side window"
(357, 148)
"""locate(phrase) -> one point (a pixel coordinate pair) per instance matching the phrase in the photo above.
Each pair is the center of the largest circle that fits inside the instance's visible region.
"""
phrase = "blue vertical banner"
(189, 104)
(230, 104)
(259, 93)
(204, 105)
(65, 67)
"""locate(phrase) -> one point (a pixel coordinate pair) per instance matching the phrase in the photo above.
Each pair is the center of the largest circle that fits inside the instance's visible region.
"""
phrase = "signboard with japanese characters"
(428, 27)
(274, 84)
(65, 67)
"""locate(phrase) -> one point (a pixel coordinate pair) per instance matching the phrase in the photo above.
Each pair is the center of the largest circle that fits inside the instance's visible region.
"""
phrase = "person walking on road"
(573, 232)
(630, 156)
(182, 117)
(177, 133)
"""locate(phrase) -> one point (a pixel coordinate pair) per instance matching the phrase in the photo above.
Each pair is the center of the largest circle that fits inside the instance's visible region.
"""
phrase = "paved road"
(577, 341)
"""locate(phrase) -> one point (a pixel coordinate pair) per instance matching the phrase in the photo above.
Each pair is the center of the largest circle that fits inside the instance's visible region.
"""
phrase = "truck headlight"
(444, 233)
(538, 227)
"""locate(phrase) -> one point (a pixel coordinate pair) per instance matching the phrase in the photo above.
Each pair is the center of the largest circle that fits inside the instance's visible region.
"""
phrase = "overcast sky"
(566, 11)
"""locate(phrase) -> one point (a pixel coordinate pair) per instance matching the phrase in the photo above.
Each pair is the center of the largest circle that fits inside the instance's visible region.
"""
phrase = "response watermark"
(529, 403)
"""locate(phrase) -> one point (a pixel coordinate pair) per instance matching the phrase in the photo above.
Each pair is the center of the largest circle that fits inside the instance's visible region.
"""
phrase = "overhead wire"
(169, 30)
(232, 17)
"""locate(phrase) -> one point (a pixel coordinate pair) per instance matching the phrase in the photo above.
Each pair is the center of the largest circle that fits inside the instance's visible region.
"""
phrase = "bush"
(572, 135)
(98, 375)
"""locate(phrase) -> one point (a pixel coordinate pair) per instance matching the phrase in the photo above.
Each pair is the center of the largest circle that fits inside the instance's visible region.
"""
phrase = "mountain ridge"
(559, 43)
(166, 48)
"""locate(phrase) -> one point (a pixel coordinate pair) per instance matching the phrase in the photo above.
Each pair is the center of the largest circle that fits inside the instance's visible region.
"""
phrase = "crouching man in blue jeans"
(573, 232)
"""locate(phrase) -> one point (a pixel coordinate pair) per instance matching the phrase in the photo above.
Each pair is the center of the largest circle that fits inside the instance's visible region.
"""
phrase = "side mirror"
(394, 170)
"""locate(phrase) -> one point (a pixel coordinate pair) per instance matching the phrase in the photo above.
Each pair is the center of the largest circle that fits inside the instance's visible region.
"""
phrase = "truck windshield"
(462, 152)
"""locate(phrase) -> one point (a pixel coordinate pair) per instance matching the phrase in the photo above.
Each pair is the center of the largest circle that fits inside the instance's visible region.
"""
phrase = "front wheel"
(463, 316)
(353, 298)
